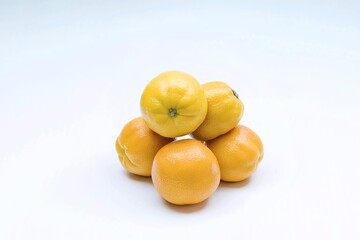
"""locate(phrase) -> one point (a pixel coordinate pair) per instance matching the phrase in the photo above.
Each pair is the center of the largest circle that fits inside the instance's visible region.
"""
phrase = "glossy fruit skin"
(137, 145)
(173, 104)
(225, 110)
(238, 153)
(185, 172)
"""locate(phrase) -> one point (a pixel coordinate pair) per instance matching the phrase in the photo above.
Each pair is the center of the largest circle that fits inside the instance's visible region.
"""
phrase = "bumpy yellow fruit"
(224, 111)
(185, 172)
(238, 153)
(173, 104)
(137, 146)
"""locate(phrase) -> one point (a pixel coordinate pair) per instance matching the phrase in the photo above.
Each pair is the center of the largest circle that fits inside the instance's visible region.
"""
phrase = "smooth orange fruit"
(137, 145)
(238, 153)
(173, 104)
(225, 110)
(185, 172)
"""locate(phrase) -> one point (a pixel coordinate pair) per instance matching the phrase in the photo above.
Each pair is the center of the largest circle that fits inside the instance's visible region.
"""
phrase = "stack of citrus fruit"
(188, 171)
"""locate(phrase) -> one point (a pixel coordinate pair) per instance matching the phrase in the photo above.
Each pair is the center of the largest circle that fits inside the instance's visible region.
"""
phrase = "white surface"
(71, 75)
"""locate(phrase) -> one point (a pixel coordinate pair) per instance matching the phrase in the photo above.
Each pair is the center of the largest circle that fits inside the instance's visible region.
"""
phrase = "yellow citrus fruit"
(238, 153)
(224, 111)
(137, 145)
(185, 172)
(173, 104)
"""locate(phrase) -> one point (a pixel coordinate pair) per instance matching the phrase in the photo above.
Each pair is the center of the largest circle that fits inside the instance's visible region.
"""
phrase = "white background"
(72, 73)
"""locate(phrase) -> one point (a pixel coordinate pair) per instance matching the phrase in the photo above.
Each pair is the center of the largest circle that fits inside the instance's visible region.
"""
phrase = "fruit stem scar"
(172, 112)
(235, 94)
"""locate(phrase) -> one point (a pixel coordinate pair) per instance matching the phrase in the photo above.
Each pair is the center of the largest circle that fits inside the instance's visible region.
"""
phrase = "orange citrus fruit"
(238, 153)
(173, 104)
(225, 110)
(185, 172)
(137, 146)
